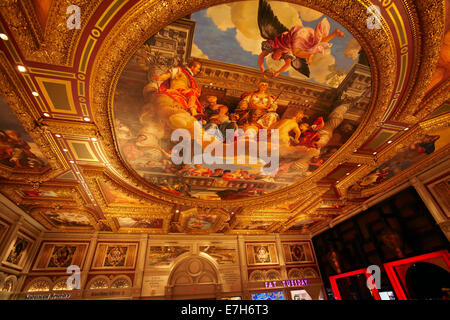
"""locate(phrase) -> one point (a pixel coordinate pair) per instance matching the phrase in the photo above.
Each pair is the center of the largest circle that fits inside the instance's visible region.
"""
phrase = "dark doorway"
(427, 281)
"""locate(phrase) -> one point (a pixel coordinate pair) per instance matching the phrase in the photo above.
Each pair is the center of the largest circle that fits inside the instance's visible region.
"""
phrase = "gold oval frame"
(146, 18)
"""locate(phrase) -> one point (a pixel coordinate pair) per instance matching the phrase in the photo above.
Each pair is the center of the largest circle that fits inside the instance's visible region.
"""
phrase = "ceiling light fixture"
(21, 68)
(46, 114)
(58, 135)
(359, 164)
(374, 153)
(348, 173)
(65, 150)
(176, 211)
(71, 161)
(86, 119)
(4, 36)
(389, 142)
(406, 129)
(34, 93)
(94, 139)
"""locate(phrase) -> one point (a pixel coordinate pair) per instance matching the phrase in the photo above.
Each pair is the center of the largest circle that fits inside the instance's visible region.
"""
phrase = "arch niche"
(194, 277)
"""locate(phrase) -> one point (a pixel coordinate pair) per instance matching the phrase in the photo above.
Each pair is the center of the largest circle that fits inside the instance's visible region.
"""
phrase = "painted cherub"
(296, 46)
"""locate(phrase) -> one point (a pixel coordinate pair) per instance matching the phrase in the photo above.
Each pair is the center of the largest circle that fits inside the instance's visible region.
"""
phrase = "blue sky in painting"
(223, 46)
(220, 45)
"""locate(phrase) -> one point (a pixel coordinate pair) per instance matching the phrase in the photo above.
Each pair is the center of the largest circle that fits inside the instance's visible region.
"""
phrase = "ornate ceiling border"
(143, 20)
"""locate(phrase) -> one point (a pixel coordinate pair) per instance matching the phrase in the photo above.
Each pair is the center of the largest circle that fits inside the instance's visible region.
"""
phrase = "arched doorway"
(194, 277)
(425, 281)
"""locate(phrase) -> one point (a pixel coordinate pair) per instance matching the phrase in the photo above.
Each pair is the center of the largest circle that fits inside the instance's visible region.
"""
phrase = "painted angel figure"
(296, 46)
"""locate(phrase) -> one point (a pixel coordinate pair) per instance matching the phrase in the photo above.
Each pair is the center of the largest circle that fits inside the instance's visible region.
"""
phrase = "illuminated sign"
(286, 283)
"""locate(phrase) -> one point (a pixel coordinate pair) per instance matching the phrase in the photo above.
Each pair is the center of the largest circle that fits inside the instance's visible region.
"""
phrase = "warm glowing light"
(390, 141)
(34, 93)
(58, 135)
(65, 150)
(375, 153)
(94, 139)
(406, 129)
(21, 68)
(3, 36)
(86, 119)
(71, 161)
(46, 114)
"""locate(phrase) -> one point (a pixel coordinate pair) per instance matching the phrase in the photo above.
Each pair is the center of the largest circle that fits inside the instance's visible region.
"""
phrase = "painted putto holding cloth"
(296, 46)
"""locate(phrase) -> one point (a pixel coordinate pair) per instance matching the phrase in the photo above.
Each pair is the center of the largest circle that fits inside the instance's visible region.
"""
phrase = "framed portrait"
(60, 255)
(299, 252)
(18, 251)
(115, 255)
(261, 253)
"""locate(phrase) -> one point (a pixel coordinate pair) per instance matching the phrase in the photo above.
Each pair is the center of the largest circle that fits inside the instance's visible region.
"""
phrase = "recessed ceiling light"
(337, 181)
(356, 150)
(3, 36)
(21, 68)
(34, 93)
(232, 212)
(176, 211)
(65, 150)
(406, 129)
(94, 139)
(347, 173)
(46, 114)
(58, 135)
(359, 164)
(86, 119)
(374, 153)
(71, 161)
(389, 142)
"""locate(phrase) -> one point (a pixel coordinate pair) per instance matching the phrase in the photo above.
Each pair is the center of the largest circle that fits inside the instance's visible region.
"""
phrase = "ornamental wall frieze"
(124, 39)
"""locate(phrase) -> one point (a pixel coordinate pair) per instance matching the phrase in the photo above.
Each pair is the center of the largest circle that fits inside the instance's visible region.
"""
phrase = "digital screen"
(276, 295)
(387, 295)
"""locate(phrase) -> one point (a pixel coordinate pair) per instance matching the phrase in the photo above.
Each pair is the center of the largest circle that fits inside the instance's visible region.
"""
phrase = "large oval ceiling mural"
(202, 108)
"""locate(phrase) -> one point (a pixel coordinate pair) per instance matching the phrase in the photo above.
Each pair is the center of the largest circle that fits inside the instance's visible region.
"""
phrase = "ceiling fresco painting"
(406, 157)
(248, 117)
(148, 112)
(17, 150)
(68, 219)
(140, 223)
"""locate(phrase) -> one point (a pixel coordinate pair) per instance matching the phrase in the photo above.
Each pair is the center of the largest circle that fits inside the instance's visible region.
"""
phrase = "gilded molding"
(148, 18)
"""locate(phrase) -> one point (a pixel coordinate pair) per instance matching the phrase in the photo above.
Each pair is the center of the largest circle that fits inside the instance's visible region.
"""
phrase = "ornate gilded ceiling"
(86, 139)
